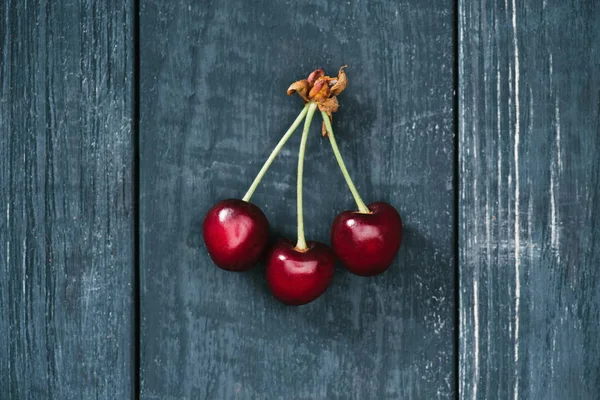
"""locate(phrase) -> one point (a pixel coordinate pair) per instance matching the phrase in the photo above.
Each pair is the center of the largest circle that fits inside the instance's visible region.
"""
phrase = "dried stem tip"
(321, 89)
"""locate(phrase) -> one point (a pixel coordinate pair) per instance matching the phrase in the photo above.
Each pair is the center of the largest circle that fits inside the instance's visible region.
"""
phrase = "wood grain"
(529, 137)
(66, 226)
(213, 104)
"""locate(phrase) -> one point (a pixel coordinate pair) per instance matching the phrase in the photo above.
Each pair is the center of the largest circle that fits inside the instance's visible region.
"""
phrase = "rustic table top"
(122, 123)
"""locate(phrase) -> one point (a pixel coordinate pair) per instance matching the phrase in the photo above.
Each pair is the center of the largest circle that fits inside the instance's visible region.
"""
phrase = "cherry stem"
(301, 244)
(274, 153)
(362, 208)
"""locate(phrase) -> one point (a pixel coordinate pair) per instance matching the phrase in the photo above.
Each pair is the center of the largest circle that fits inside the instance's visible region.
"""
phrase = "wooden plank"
(213, 82)
(529, 199)
(66, 225)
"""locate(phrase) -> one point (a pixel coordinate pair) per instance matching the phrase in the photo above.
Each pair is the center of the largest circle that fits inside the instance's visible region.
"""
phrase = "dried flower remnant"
(322, 90)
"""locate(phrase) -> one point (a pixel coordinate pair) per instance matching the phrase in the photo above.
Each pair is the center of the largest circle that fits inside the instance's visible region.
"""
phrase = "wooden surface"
(518, 284)
(66, 253)
(213, 104)
(529, 139)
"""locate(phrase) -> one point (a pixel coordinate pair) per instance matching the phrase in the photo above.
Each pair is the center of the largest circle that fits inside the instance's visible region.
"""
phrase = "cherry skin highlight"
(367, 243)
(236, 234)
(299, 277)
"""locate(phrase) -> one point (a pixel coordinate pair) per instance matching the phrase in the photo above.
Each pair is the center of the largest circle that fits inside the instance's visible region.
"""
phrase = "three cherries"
(366, 240)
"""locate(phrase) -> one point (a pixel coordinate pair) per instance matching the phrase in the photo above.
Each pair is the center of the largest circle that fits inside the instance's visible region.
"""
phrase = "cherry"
(236, 234)
(299, 274)
(367, 243)
(298, 277)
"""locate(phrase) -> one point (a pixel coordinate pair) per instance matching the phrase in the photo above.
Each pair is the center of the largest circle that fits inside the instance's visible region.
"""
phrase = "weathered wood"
(66, 226)
(213, 81)
(529, 140)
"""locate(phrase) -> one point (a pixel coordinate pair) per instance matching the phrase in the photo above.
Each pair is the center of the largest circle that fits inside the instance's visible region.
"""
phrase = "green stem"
(362, 208)
(274, 153)
(301, 244)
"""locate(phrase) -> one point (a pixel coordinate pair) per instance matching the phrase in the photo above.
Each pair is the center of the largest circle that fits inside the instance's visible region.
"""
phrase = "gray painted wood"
(66, 221)
(213, 104)
(529, 140)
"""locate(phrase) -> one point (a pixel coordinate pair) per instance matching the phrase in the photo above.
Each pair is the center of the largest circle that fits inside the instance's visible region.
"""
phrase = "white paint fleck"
(530, 243)
(552, 355)
(282, 186)
(556, 167)
(463, 342)
(553, 230)
(517, 205)
(499, 130)
(557, 116)
(530, 226)
(475, 183)
(461, 106)
(550, 64)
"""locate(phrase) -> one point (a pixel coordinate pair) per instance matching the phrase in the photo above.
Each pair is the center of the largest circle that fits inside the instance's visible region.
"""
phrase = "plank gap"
(136, 197)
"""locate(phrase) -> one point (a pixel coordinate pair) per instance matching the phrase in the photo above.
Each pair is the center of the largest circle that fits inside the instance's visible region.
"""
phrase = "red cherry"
(367, 243)
(236, 234)
(299, 277)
